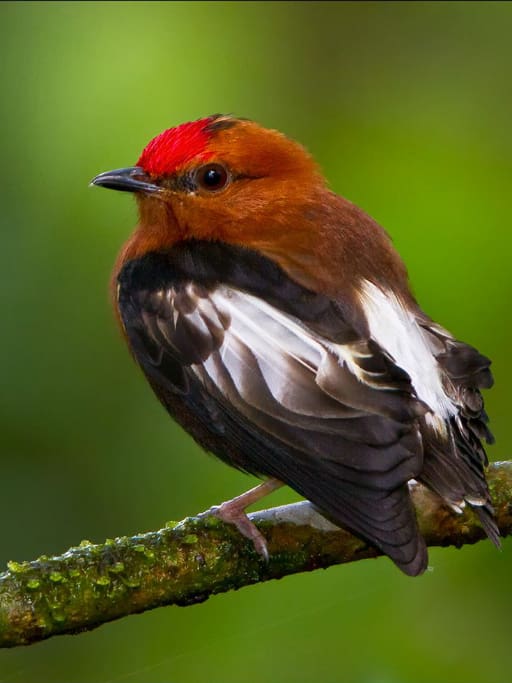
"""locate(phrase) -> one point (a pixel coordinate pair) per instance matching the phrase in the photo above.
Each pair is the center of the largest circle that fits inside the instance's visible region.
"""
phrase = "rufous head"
(231, 180)
(218, 178)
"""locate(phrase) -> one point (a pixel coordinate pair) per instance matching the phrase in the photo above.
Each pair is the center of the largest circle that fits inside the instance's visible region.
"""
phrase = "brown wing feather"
(455, 463)
(286, 389)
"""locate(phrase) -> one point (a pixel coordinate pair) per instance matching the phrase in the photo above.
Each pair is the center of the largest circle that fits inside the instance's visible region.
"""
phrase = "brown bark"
(186, 563)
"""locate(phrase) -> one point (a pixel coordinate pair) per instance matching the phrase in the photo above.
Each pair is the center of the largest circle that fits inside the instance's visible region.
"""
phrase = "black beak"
(132, 179)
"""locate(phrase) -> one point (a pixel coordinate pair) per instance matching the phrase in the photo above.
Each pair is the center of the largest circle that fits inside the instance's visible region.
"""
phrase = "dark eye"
(212, 177)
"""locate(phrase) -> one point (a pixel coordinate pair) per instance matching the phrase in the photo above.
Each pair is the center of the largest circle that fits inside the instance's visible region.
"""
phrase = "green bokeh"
(408, 109)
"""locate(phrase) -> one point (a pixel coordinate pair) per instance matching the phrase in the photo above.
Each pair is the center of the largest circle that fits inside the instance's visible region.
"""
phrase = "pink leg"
(233, 512)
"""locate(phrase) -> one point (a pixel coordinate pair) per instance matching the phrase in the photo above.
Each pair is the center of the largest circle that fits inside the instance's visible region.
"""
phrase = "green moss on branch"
(188, 562)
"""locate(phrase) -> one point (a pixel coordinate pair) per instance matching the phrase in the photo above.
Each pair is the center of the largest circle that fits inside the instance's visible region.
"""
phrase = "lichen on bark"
(187, 562)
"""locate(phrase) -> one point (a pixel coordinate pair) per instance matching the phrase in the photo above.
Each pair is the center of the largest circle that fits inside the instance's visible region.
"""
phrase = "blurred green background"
(407, 106)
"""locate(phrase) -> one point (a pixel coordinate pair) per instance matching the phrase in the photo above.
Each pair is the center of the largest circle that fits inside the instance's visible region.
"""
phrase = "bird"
(275, 322)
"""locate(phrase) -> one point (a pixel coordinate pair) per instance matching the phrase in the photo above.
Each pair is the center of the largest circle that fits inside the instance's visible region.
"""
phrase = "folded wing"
(282, 387)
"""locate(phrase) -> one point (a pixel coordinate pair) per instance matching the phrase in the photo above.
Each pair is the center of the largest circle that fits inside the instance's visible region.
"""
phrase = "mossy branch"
(188, 562)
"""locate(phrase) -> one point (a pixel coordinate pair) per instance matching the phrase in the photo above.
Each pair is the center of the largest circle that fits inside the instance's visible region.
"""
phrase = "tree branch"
(188, 562)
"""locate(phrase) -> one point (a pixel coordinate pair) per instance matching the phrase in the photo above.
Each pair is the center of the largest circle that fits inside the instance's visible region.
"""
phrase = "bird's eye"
(212, 177)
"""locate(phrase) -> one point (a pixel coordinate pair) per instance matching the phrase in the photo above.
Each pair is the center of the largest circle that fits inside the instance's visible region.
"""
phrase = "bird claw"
(233, 514)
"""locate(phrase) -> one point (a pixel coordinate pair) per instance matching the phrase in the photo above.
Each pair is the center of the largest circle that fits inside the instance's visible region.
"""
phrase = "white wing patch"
(397, 331)
(268, 327)
(287, 356)
(279, 365)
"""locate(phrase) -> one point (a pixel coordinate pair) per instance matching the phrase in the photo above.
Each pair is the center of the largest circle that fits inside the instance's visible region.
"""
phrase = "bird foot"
(231, 513)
